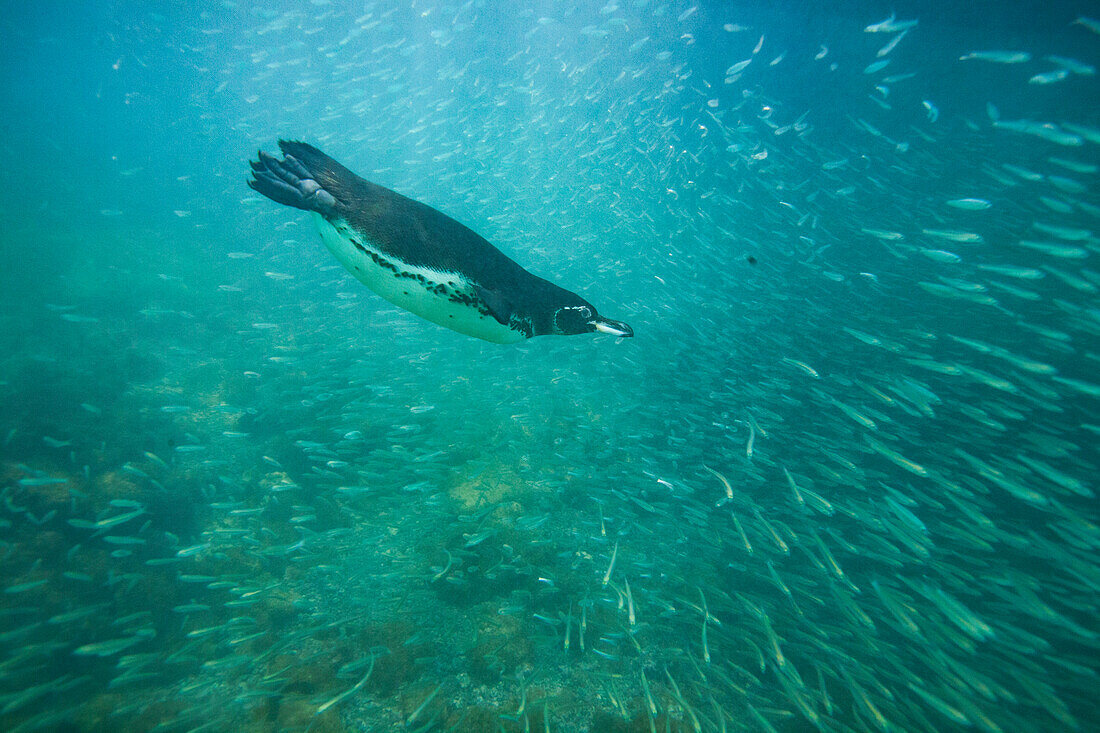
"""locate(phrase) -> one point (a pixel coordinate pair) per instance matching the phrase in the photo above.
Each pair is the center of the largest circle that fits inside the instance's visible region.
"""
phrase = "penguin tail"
(305, 178)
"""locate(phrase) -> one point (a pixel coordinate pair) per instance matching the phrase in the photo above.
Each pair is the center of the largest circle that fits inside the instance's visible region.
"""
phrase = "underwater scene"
(825, 459)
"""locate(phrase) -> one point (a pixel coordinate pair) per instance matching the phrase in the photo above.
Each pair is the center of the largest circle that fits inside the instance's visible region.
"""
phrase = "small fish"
(123, 540)
(1072, 65)
(969, 204)
(895, 457)
(1049, 77)
(794, 488)
(156, 459)
(191, 608)
(1068, 234)
(75, 615)
(1088, 388)
(883, 234)
(611, 565)
(1022, 273)
(1054, 249)
(1075, 165)
(1045, 130)
(891, 25)
(118, 519)
(954, 235)
(1091, 24)
(193, 550)
(720, 477)
(941, 255)
(33, 482)
(108, 648)
(891, 44)
(738, 67)
(806, 368)
(998, 57)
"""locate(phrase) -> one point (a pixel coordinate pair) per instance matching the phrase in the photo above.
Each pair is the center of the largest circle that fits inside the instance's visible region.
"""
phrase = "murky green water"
(842, 478)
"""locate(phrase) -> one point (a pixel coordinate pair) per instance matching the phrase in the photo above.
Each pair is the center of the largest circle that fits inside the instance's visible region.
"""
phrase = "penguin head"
(581, 317)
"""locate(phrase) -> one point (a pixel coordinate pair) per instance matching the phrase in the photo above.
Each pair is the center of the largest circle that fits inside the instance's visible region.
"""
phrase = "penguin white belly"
(446, 298)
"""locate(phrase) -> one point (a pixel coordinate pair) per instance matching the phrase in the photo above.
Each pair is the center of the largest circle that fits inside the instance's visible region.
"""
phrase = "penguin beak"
(615, 328)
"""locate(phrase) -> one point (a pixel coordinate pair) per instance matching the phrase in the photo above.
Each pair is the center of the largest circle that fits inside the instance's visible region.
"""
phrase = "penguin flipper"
(495, 302)
(291, 182)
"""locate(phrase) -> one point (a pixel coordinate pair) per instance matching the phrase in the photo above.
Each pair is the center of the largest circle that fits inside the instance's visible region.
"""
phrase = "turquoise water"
(842, 478)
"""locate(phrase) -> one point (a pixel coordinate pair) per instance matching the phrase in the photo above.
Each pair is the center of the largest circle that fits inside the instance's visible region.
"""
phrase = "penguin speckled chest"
(420, 259)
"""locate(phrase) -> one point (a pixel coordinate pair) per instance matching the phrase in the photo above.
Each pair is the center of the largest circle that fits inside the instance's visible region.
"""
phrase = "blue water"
(242, 492)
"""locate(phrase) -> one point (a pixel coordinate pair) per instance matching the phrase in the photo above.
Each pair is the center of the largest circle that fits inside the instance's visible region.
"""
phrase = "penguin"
(420, 259)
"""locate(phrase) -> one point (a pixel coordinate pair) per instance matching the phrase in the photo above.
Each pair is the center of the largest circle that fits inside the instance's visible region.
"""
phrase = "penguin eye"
(573, 319)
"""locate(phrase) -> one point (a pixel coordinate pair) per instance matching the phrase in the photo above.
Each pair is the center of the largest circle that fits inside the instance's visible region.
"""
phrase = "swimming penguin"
(420, 259)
